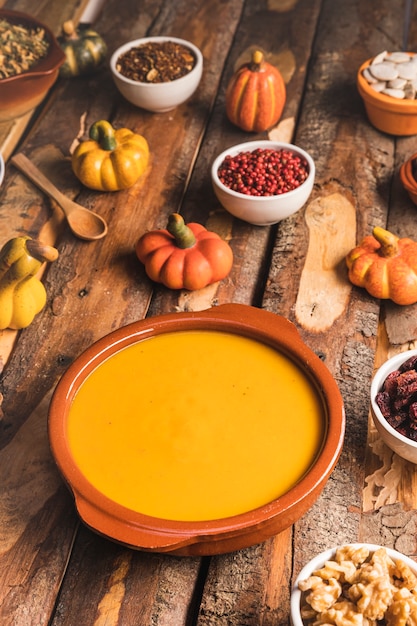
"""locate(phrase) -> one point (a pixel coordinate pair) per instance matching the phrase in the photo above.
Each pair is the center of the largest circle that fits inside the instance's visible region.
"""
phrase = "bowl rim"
(244, 320)
(49, 63)
(142, 40)
(382, 372)
(406, 174)
(317, 561)
(262, 143)
(400, 106)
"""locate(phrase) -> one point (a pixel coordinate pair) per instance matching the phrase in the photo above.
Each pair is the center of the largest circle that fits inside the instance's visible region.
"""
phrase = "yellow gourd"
(111, 159)
(22, 295)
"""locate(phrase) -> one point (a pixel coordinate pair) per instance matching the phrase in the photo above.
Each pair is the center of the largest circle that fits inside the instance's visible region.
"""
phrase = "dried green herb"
(156, 62)
(20, 48)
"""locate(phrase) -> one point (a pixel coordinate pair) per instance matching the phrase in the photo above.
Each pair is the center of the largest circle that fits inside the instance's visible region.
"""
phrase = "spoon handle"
(35, 175)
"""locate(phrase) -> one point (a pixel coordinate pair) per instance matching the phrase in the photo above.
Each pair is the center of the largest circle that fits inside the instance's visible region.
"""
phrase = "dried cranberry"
(409, 364)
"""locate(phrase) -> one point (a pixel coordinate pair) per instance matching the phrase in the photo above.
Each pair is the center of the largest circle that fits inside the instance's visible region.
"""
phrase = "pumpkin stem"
(40, 251)
(257, 61)
(184, 236)
(388, 241)
(103, 133)
(68, 30)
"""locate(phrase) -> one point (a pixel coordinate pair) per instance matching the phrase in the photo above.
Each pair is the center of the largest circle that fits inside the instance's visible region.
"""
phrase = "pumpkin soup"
(195, 425)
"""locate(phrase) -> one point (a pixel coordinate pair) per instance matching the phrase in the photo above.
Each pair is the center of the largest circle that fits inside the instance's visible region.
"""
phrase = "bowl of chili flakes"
(157, 73)
(29, 64)
(394, 404)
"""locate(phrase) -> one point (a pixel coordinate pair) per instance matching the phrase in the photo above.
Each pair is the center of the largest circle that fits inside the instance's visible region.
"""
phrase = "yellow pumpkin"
(256, 95)
(111, 159)
(22, 295)
(386, 266)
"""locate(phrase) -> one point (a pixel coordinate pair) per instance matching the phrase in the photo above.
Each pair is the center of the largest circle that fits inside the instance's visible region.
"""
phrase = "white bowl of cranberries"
(394, 404)
(263, 182)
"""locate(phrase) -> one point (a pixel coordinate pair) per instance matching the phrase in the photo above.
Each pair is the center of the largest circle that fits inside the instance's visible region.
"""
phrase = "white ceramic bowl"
(262, 210)
(157, 97)
(403, 446)
(319, 561)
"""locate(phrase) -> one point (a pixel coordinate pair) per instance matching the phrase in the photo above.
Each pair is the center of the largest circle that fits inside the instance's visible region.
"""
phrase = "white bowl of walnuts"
(357, 583)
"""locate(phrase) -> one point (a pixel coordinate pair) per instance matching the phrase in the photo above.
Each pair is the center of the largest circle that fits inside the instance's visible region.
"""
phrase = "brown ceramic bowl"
(111, 513)
(389, 115)
(21, 93)
(407, 178)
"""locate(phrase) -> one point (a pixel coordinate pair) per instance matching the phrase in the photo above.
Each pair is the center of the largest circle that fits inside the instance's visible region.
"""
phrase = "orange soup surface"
(195, 425)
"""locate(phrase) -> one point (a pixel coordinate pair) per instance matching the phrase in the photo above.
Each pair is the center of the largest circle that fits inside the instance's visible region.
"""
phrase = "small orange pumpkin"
(184, 256)
(255, 95)
(386, 266)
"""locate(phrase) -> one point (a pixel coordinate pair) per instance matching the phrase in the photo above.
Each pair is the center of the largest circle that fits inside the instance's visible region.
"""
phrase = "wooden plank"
(354, 165)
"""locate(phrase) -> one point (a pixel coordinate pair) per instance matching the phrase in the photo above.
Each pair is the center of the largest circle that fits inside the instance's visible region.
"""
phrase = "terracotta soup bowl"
(197, 433)
(22, 92)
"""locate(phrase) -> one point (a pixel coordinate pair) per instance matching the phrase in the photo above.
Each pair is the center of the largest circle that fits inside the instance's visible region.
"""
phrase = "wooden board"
(295, 269)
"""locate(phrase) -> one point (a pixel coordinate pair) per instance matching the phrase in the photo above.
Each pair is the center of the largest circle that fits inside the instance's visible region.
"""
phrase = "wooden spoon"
(84, 223)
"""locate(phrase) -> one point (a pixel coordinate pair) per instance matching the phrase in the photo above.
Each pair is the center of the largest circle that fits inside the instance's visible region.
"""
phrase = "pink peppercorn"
(263, 172)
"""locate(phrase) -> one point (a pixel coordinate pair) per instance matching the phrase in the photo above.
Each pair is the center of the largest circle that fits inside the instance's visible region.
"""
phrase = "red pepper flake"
(263, 172)
(156, 62)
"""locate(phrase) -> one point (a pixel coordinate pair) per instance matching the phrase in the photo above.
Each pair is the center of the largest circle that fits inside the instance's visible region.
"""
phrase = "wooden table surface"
(53, 570)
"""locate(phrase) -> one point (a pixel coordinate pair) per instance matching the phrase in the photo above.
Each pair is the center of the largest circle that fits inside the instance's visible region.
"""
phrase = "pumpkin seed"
(394, 93)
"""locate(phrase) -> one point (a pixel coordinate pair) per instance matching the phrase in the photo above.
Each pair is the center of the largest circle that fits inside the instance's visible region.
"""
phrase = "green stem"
(184, 236)
(103, 133)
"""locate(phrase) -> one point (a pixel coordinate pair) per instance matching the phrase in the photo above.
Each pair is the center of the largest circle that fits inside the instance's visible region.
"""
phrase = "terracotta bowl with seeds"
(400, 443)
(260, 198)
(21, 93)
(390, 115)
(157, 73)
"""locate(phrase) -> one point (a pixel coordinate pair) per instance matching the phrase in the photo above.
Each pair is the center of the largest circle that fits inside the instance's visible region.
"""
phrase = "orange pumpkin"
(184, 256)
(256, 95)
(386, 266)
